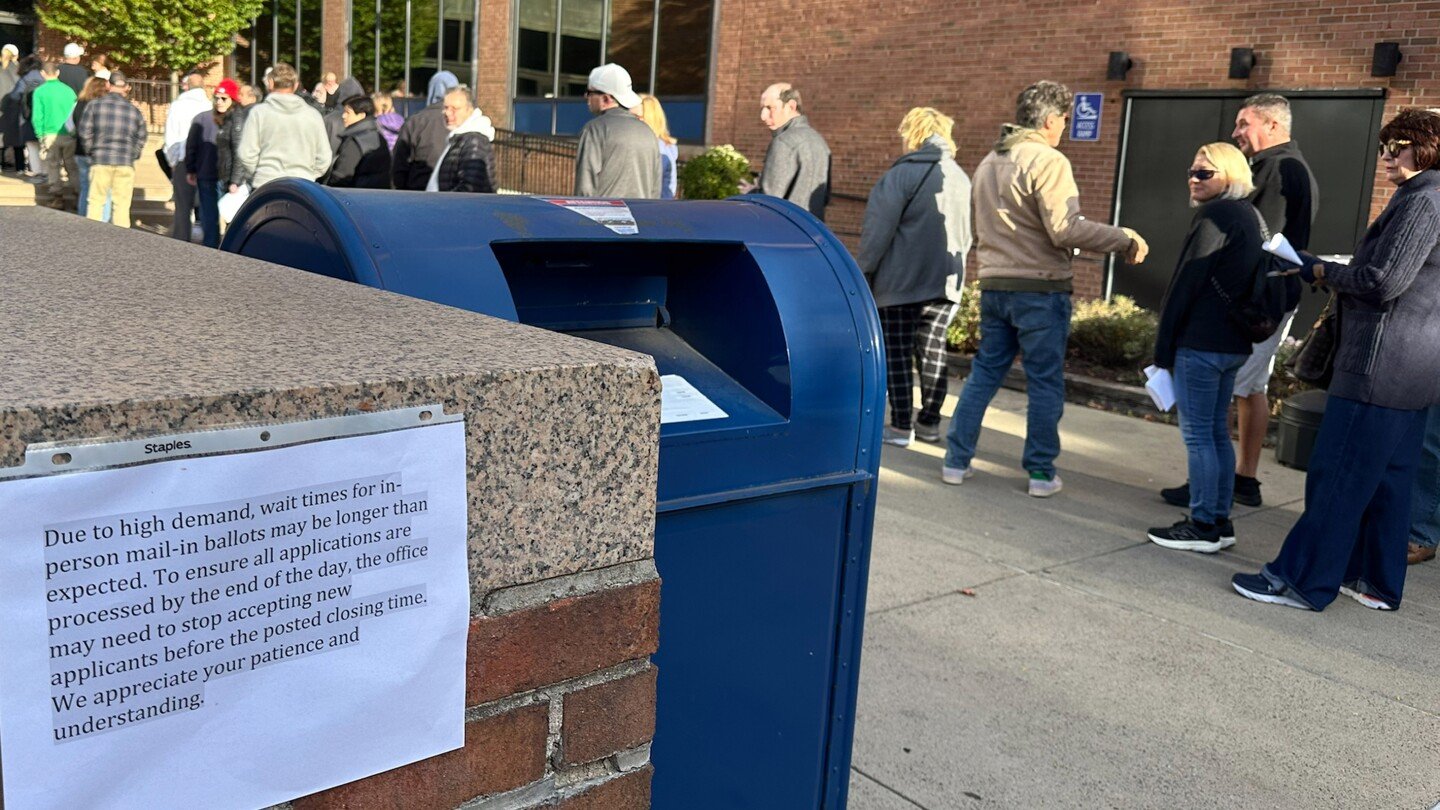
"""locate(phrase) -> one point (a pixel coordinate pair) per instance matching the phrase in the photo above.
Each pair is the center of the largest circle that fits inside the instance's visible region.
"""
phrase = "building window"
(664, 44)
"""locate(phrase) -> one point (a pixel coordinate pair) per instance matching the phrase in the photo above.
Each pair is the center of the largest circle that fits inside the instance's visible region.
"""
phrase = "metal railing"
(534, 164)
(153, 98)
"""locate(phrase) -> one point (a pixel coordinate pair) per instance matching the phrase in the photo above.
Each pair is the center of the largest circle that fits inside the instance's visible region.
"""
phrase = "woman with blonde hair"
(653, 115)
(912, 250)
(1202, 346)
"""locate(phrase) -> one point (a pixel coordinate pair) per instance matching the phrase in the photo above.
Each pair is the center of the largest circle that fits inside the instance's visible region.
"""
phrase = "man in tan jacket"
(1027, 227)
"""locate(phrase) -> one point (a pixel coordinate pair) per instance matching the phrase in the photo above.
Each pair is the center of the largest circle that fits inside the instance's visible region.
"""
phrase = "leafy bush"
(1116, 334)
(963, 334)
(714, 174)
(1283, 384)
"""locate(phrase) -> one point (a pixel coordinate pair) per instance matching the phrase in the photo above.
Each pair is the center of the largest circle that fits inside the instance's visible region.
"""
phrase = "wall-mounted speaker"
(1387, 59)
(1242, 61)
(1120, 64)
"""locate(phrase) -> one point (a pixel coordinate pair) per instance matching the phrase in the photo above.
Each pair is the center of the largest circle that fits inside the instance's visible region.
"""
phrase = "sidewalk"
(1094, 669)
(150, 208)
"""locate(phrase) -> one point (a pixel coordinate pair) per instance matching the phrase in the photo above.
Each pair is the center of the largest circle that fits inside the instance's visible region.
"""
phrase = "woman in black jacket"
(1353, 534)
(1201, 346)
(362, 160)
(202, 161)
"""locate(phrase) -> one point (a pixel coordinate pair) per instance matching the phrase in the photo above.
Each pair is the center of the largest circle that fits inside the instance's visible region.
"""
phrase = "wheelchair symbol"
(1084, 110)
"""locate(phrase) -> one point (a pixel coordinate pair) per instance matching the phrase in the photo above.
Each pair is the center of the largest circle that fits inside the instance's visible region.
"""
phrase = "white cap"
(11, 49)
(73, 51)
(615, 80)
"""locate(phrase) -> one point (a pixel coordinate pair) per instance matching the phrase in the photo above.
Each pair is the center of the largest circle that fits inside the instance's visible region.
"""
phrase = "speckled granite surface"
(111, 333)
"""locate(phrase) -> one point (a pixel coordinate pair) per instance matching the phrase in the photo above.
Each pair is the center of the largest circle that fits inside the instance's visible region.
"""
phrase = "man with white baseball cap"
(618, 155)
(71, 73)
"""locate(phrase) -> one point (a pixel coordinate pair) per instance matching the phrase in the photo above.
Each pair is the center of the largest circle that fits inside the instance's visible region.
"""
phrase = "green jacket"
(52, 104)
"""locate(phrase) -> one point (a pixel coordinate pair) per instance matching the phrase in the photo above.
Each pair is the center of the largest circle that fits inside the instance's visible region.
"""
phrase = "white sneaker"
(1374, 603)
(955, 475)
(897, 437)
(1044, 489)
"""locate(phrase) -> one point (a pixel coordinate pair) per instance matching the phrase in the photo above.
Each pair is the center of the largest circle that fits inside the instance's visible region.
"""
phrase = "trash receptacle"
(768, 344)
(1299, 423)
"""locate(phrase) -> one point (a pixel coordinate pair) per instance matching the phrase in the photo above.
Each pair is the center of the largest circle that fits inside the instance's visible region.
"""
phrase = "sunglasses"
(1393, 149)
(1201, 174)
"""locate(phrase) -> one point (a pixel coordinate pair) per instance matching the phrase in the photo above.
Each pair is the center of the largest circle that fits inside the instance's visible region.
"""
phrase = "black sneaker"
(1177, 496)
(1187, 535)
(1247, 490)
(1259, 588)
(928, 433)
(1227, 532)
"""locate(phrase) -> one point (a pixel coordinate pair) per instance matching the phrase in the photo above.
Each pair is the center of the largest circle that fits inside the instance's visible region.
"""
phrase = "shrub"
(1283, 384)
(963, 335)
(1115, 334)
(714, 174)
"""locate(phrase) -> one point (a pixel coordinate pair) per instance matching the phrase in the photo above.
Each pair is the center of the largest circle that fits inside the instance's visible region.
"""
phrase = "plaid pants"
(915, 334)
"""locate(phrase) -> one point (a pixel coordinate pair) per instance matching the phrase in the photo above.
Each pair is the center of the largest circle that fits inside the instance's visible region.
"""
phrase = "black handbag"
(1314, 361)
(164, 161)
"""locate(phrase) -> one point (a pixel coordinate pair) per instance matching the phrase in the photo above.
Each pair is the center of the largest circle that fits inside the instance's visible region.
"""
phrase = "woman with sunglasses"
(1201, 346)
(1352, 537)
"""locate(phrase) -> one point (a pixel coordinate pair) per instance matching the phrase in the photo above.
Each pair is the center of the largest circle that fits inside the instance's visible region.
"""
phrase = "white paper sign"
(613, 214)
(682, 402)
(233, 631)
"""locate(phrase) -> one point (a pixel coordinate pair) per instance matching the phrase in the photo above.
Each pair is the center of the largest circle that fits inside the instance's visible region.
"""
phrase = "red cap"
(227, 87)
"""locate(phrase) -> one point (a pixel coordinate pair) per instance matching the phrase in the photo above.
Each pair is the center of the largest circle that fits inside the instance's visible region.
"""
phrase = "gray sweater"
(618, 156)
(283, 137)
(1389, 350)
(797, 167)
(917, 229)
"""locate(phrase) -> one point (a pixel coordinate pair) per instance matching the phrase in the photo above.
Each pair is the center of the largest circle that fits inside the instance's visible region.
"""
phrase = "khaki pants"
(119, 183)
(57, 152)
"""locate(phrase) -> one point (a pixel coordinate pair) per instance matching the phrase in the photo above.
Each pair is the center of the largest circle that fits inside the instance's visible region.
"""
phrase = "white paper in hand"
(230, 203)
(1280, 246)
(1161, 387)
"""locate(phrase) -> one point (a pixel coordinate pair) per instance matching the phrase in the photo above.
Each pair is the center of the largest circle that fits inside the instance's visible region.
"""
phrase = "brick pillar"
(493, 88)
(334, 37)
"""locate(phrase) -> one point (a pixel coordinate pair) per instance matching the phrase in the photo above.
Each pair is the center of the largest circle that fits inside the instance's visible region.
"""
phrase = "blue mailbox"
(767, 340)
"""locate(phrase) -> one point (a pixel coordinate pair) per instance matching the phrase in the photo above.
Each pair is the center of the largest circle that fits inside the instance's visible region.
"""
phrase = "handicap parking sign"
(1085, 117)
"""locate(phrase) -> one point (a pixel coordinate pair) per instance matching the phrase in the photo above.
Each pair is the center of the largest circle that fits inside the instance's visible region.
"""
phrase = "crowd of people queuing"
(1373, 486)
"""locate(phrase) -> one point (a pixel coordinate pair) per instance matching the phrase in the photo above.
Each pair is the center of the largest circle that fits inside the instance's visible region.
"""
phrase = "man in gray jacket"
(618, 155)
(797, 164)
(284, 136)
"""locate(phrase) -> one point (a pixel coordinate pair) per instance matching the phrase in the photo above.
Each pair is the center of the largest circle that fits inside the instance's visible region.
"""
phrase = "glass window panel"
(311, 36)
(632, 25)
(459, 44)
(581, 24)
(424, 44)
(683, 61)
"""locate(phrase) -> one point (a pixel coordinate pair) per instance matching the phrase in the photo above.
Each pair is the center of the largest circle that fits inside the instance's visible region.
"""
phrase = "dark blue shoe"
(1261, 589)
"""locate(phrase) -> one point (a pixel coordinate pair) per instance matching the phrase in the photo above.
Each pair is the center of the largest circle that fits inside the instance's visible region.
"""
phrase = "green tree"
(171, 34)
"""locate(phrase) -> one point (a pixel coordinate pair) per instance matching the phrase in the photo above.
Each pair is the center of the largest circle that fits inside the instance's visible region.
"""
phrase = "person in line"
(618, 155)
(284, 136)
(51, 105)
(202, 159)
(1425, 509)
(30, 78)
(100, 67)
(1288, 198)
(114, 134)
(468, 162)
(913, 243)
(386, 119)
(1027, 227)
(422, 138)
(182, 114)
(227, 141)
(1202, 346)
(95, 87)
(9, 109)
(1351, 538)
(326, 92)
(797, 162)
(71, 73)
(363, 160)
(653, 115)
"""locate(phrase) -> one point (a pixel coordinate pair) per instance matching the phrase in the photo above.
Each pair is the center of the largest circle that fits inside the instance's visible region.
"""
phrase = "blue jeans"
(1425, 500)
(208, 192)
(1357, 505)
(1037, 324)
(1204, 382)
(83, 161)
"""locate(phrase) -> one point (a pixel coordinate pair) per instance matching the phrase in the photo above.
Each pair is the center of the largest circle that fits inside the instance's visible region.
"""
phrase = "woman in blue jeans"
(1352, 536)
(1201, 346)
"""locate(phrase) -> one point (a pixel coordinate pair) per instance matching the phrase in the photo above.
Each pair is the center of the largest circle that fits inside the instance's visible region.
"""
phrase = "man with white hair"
(468, 162)
(618, 155)
(71, 73)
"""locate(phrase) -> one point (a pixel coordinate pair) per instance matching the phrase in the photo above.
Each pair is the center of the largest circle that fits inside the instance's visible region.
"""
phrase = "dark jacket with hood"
(917, 228)
(227, 144)
(418, 147)
(1389, 348)
(201, 152)
(362, 161)
(1288, 197)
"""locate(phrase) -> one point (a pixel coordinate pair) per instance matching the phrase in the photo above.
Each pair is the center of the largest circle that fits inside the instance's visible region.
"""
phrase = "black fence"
(534, 164)
(153, 98)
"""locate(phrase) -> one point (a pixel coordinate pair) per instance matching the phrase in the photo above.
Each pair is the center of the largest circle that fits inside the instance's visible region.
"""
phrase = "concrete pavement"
(1092, 668)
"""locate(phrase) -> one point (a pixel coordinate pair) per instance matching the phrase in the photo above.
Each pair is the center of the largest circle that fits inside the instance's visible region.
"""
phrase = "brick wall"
(493, 92)
(560, 702)
(860, 70)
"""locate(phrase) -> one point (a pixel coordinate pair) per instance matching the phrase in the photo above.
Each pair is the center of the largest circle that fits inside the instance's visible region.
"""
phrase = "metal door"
(1338, 131)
